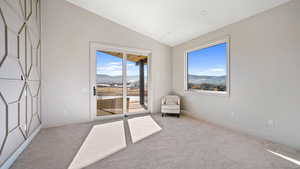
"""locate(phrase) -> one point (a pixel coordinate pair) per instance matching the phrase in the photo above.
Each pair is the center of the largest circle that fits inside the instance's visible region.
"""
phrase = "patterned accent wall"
(20, 77)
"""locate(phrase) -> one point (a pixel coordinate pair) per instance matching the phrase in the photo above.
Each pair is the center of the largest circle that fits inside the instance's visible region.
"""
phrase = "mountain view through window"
(207, 68)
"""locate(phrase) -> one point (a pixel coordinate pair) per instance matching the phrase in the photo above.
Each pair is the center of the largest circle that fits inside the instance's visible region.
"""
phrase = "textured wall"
(264, 71)
(19, 73)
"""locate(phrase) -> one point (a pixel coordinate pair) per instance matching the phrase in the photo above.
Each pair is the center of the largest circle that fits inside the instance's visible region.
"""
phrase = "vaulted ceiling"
(175, 21)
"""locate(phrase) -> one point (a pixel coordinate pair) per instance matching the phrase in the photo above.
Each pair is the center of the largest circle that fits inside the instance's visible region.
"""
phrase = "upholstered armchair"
(170, 105)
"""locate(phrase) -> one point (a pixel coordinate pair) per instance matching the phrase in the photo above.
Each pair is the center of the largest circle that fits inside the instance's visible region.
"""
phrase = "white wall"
(66, 33)
(265, 68)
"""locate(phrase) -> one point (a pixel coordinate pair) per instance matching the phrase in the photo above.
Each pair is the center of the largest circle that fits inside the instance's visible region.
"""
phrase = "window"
(207, 68)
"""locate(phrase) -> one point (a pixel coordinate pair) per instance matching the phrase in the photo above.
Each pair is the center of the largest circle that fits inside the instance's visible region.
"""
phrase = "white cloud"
(130, 64)
(115, 68)
(213, 72)
(115, 63)
(112, 68)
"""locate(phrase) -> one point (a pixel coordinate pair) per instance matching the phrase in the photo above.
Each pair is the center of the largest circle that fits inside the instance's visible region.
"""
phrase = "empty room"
(161, 84)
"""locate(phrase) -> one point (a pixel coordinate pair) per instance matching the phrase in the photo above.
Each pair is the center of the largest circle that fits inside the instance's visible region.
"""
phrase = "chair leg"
(178, 115)
(162, 114)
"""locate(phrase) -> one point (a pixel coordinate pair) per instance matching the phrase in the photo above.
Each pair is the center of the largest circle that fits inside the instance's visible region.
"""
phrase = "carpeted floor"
(183, 143)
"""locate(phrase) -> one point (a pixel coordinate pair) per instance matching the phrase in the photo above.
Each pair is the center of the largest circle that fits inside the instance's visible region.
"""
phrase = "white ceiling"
(175, 21)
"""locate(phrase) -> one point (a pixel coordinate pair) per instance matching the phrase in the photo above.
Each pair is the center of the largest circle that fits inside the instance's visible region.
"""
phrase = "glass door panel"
(109, 83)
(136, 83)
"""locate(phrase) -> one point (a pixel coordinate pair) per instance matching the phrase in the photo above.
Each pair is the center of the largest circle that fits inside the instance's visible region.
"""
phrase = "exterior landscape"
(207, 68)
(109, 83)
(210, 83)
(112, 85)
(109, 91)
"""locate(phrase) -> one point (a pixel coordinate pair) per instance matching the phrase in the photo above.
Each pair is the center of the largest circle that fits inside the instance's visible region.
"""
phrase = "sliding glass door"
(136, 79)
(121, 83)
(109, 83)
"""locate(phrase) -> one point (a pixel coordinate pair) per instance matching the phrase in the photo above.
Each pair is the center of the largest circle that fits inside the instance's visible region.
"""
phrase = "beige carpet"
(184, 143)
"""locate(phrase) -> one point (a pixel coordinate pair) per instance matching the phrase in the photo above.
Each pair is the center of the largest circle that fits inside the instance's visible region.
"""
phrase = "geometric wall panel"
(14, 140)
(12, 14)
(3, 127)
(22, 111)
(12, 42)
(20, 81)
(10, 69)
(39, 106)
(38, 54)
(35, 122)
(12, 116)
(34, 74)
(11, 89)
(34, 87)
(33, 33)
(29, 108)
(28, 51)
(22, 47)
(28, 4)
(3, 41)
(34, 105)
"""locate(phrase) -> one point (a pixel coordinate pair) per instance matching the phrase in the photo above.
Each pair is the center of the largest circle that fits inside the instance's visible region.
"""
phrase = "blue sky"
(111, 65)
(209, 61)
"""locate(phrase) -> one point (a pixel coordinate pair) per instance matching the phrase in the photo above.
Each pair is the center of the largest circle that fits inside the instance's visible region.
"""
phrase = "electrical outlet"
(65, 113)
(232, 114)
(271, 123)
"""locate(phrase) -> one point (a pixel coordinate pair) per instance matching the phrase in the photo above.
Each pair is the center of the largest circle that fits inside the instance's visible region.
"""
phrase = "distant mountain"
(107, 79)
(216, 80)
(195, 79)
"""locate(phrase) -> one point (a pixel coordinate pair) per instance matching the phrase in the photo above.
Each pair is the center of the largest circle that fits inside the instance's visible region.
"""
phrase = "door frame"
(95, 46)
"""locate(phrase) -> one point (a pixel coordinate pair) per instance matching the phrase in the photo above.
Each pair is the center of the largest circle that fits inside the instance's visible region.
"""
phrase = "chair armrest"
(163, 100)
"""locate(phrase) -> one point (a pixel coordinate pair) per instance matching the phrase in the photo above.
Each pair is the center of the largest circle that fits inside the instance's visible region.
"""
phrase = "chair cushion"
(170, 106)
(171, 99)
(170, 109)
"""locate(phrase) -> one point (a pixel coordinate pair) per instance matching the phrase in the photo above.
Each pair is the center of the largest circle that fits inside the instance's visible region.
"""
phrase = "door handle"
(94, 91)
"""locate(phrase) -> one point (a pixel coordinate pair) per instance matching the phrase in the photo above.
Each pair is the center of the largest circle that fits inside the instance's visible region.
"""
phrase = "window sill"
(207, 93)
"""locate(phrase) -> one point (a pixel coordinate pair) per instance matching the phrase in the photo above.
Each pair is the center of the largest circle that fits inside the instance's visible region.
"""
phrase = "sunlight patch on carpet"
(102, 141)
(142, 127)
(285, 157)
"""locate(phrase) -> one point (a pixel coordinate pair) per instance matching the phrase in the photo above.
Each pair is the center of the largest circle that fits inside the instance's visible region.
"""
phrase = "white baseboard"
(9, 162)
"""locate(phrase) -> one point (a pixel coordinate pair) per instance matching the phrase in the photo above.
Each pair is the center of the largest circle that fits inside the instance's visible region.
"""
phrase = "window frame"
(203, 46)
